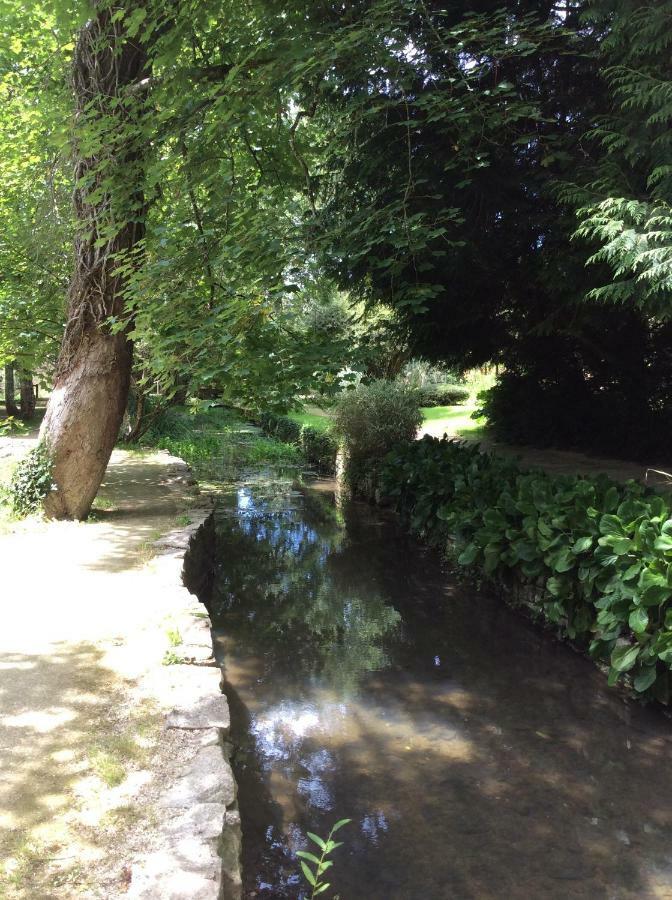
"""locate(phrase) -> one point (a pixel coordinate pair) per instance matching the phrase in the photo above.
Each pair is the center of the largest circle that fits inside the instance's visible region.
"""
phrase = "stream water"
(476, 757)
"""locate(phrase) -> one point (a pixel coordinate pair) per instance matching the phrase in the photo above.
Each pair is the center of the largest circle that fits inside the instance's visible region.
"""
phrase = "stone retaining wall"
(196, 853)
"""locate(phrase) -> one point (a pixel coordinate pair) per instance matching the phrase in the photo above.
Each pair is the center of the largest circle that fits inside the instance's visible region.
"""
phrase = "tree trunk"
(27, 396)
(86, 407)
(10, 405)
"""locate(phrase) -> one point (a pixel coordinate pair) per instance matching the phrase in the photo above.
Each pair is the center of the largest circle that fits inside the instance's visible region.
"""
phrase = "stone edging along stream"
(196, 854)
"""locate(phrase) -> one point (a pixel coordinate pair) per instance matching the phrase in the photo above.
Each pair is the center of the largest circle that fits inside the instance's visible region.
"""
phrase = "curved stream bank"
(476, 757)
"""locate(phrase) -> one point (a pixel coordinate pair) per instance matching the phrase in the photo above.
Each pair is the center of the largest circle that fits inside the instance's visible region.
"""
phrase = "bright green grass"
(317, 420)
(454, 420)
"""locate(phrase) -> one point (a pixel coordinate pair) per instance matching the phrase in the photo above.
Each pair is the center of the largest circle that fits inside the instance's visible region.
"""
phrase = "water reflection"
(477, 758)
(277, 582)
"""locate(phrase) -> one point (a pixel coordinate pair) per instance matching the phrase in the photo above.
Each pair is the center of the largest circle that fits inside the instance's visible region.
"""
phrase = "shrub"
(373, 418)
(31, 482)
(443, 395)
(594, 556)
(566, 409)
(419, 373)
(318, 447)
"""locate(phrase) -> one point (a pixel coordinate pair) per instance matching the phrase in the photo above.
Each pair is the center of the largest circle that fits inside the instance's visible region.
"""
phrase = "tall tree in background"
(10, 403)
(94, 366)
(627, 209)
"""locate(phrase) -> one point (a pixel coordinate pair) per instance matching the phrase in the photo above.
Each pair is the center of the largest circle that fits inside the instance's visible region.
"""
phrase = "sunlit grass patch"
(454, 420)
(112, 756)
(320, 421)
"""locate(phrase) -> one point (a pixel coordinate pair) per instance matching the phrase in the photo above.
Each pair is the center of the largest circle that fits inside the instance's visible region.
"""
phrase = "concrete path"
(85, 623)
(566, 462)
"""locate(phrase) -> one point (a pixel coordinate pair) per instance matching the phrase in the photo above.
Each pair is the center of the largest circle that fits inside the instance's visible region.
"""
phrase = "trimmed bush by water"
(371, 419)
(318, 447)
(595, 556)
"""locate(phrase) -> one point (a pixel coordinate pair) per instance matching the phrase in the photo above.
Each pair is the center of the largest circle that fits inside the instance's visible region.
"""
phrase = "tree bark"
(10, 404)
(27, 396)
(86, 407)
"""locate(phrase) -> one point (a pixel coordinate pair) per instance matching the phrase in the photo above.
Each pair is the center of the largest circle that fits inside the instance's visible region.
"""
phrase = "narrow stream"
(476, 757)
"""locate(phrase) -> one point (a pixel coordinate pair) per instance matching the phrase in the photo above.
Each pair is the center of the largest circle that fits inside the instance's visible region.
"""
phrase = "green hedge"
(443, 395)
(593, 556)
(318, 447)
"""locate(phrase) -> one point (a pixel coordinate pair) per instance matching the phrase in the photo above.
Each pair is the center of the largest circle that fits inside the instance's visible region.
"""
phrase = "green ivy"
(596, 554)
(31, 482)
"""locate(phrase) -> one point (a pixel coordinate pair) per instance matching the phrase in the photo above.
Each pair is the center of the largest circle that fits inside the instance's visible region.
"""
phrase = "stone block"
(207, 779)
(206, 712)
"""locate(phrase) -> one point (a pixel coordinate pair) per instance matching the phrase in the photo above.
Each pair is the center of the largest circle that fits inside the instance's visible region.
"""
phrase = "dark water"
(476, 757)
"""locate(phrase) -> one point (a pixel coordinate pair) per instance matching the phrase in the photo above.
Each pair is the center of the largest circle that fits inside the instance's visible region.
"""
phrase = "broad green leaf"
(624, 658)
(645, 679)
(639, 620)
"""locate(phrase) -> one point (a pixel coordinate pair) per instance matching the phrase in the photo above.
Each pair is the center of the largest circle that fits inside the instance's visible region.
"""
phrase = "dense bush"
(562, 398)
(374, 417)
(443, 395)
(31, 482)
(318, 447)
(594, 555)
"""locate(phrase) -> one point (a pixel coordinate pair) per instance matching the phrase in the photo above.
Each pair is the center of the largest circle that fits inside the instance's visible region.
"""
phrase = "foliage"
(35, 216)
(317, 446)
(595, 555)
(371, 419)
(422, 374)
(318, 421)
(627, 209)
(443, 395)
(616, 406)
(321, 863)
(10, 425)
(213, 441)
(31, 481)
(323, 193)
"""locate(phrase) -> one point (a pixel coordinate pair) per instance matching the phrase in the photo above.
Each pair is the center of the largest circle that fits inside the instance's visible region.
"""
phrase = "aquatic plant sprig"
(321, 863)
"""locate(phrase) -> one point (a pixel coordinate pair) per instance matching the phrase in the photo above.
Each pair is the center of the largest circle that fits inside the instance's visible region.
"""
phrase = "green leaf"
(316, 839)
(624, 658)
(582, 545)
(310, 878)
(639, 620)
(304, 854)
(468, 555)
(645, 679)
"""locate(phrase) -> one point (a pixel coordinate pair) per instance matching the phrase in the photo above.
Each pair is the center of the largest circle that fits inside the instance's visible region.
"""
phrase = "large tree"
(94, 365)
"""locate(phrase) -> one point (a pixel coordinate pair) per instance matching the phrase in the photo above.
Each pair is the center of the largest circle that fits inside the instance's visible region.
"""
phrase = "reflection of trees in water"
(276, 588)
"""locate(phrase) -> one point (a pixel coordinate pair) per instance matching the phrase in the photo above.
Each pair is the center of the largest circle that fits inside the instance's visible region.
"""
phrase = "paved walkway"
(567, 462)
(84, 621)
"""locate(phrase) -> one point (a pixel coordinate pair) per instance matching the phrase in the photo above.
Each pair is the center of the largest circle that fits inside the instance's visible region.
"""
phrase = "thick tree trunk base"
(82, 422)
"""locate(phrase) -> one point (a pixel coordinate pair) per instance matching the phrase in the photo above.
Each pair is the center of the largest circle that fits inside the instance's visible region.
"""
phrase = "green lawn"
(455, 420)
(318, 420)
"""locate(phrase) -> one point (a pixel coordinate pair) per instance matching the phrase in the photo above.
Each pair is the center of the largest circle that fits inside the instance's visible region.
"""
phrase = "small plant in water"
(321, 863)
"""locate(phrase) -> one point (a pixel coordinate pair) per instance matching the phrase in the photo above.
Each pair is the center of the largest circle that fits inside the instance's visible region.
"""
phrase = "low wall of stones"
(195, 852)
